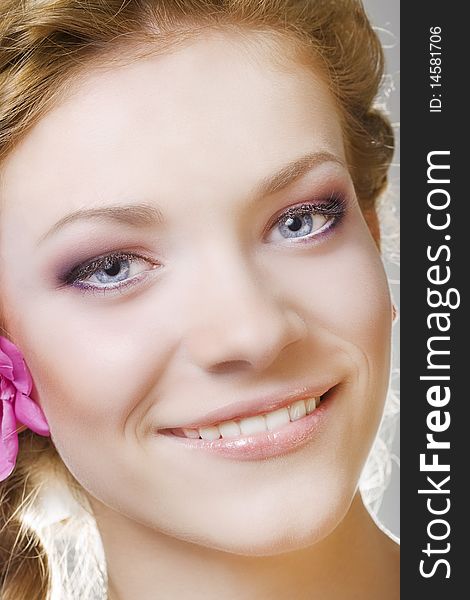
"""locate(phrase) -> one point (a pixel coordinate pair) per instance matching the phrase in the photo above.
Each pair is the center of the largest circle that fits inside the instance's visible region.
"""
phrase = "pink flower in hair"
(16, 407)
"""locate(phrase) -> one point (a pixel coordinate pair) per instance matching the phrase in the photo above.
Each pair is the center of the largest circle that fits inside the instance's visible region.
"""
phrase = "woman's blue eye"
(114, 269)
(301, 225)
(307, 220)
(109, 272)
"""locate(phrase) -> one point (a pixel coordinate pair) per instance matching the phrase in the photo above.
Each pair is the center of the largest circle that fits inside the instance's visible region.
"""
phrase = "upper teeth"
(265, 422)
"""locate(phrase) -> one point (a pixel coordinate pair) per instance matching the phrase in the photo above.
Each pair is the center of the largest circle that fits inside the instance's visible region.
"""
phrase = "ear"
(372, 220)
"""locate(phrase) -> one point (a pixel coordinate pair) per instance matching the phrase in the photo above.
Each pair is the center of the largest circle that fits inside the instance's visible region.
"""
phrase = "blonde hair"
(44, 46)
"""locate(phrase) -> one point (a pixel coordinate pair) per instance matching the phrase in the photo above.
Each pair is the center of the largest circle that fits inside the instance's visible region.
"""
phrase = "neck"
(357, 560)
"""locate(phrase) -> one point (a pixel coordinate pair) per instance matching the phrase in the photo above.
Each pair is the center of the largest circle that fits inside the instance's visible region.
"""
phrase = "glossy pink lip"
(265, 444)
(251, 408)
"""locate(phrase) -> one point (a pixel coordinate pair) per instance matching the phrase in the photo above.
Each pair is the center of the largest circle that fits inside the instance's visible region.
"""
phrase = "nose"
(238, 322)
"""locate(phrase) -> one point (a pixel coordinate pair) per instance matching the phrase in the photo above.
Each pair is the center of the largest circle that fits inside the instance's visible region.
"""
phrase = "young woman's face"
(218, 302)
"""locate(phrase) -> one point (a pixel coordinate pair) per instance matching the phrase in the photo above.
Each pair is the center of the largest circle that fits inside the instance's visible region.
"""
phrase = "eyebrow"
(295, 170)
(146, 215)
(135, 215)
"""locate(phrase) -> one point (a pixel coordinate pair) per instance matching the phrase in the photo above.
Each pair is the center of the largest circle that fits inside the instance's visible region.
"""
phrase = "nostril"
(230, 366)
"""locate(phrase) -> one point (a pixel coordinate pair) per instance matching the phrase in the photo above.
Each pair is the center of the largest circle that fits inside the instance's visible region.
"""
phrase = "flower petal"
(8, 440)
(30, 414)
(21, 376)
(5, 360)
(7, 389)
(6, 368)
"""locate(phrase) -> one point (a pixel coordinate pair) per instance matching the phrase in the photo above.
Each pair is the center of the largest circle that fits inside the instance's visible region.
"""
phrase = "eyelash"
(334, 208)
(77, 276)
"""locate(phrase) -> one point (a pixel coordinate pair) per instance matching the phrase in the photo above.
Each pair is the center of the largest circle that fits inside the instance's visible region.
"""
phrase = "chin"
(284, 532)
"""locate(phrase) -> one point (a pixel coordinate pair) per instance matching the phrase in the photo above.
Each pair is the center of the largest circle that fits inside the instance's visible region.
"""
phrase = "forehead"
(215, 113)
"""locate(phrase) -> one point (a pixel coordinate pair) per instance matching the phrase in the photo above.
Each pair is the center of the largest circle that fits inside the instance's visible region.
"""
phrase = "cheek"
(356, 309)
(342, 294)
(90, 365)
(356, 302)
(343, 291)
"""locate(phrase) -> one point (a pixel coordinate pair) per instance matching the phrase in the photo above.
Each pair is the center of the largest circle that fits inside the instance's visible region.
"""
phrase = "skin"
(232, 311)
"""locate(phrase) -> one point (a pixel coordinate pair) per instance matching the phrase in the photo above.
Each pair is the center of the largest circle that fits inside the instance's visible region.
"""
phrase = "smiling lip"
(264, 444)
(244, 409)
